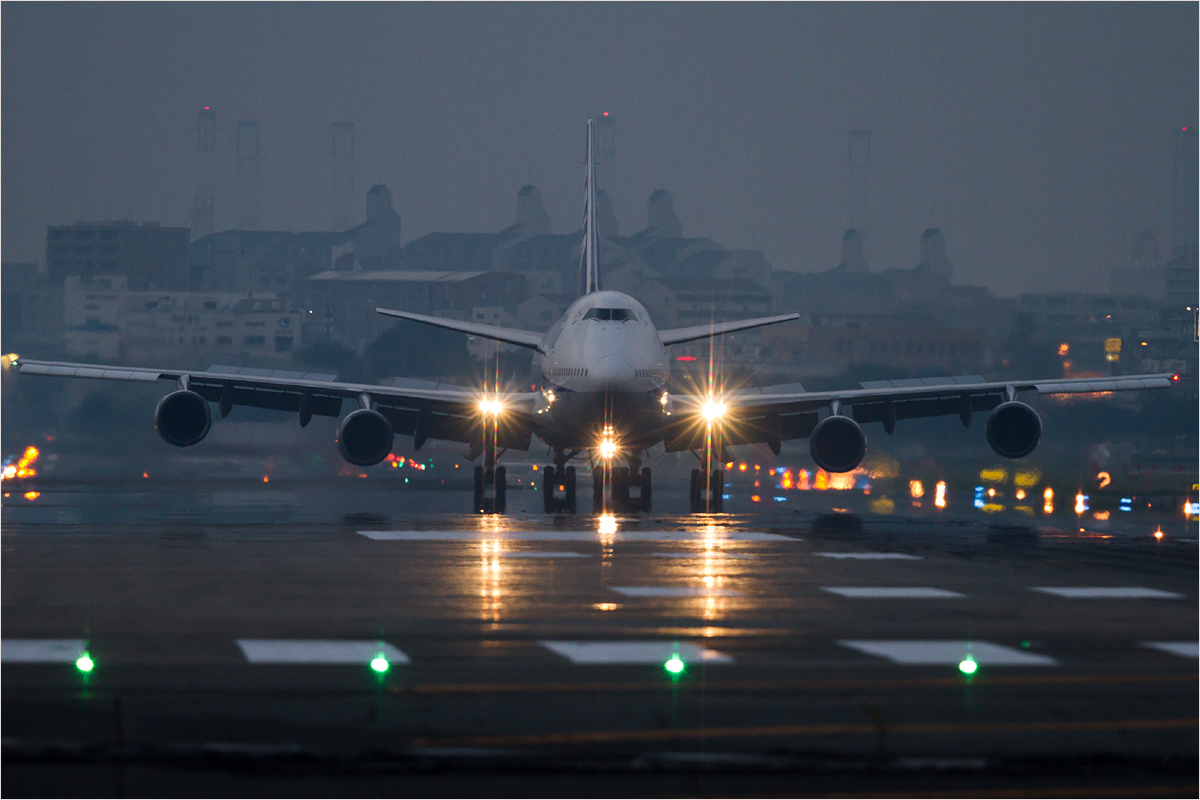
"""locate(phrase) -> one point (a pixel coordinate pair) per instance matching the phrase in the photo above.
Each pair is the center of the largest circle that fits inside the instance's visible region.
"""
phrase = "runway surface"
(319, 639)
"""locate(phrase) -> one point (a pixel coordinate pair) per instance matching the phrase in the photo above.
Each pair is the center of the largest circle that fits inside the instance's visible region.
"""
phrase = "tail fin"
(589, 252)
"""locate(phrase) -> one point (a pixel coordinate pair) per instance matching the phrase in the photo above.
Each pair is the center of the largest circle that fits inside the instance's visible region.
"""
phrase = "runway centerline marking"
(575, 536)
(542, 554)
(41, 651)
(1107, 592)
(1183, 649)
(318, 651)
(871, 556)
(674, 591)
(626, 652)
(881, 592)
(947, 651)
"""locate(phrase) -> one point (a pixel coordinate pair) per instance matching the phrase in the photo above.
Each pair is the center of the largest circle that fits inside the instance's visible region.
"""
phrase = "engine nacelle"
(365, 437)
(1014, 429)
(182, 418)
(837, 444)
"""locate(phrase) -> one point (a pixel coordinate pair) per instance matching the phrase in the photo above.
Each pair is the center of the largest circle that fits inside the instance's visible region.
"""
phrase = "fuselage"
(603, 364)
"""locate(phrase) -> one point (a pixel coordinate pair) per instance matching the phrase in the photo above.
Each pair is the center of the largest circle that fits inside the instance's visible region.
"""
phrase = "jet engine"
(365, 437)
(182, 418)
(1014, 429)
(837, 444)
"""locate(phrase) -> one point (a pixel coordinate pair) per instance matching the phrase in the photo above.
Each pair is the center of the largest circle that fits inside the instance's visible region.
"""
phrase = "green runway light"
(674, 664)
(380, 664)
(84, 663)
(967, 666)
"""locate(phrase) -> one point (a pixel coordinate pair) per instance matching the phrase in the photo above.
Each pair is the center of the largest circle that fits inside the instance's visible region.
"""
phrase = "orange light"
(1104, 479)
(939, 495)
(821, 482)
(1020, 495)
(802, 481)
(145, 474)
(741, 467)
(1158, 534)
(728, 465)
(266, 479)
(916, 489)
(534, 467)
(755, 498)
(32, 495)
(1102, 515)
(991, 492)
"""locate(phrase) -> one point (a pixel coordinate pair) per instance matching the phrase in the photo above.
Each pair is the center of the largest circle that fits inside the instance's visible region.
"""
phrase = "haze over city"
(1037, 137)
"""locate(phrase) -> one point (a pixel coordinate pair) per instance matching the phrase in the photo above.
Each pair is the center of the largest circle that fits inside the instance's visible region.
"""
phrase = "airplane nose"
(613, 370)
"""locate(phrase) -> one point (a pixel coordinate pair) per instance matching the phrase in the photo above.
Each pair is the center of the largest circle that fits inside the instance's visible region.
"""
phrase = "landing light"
(491, 406)
(608, 448)
(713, 410)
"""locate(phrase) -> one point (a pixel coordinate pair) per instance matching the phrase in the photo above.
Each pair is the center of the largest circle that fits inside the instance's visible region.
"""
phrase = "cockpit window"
(610, 314)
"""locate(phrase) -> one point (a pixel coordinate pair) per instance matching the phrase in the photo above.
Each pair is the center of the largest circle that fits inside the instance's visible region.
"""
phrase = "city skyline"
(1041, 162)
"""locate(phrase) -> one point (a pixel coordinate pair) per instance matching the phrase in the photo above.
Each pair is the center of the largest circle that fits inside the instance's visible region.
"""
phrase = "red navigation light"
(685, 358)
(606, 114)
(1175, 377)
(206, 109)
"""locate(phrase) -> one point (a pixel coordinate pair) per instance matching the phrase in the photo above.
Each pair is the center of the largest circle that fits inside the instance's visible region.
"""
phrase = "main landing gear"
(495, 480)
(707, 496)
(558, 485)
(491, 480)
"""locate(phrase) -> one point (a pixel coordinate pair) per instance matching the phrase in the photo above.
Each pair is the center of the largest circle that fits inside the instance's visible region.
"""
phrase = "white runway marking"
(572, 536)
(674, 591)
(1095, 592)
(706, 554)
(871, 556)
(1183, 649)
(635, 652)
(543, 554)
(947, 651)
(318, 651)
(891, 591)
(45, 651)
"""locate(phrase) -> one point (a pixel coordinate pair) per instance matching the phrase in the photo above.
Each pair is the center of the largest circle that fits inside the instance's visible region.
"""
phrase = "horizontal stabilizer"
(681, 335)
(904, 383)
(515, 336)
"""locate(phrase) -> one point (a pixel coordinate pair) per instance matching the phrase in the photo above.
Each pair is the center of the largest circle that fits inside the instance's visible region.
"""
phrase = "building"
(341, 305)
(32, 312)
(275, 262)
(149, 255)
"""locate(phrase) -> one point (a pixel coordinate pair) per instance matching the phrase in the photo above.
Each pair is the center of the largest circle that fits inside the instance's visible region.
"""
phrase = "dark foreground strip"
(1056, 679)
(839, 729)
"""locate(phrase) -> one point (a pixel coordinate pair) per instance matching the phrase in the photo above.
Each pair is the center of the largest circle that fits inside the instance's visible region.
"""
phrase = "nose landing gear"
(497, 481)
(623, 479)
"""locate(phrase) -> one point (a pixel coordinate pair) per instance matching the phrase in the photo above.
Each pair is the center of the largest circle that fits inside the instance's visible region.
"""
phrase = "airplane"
(604, 394)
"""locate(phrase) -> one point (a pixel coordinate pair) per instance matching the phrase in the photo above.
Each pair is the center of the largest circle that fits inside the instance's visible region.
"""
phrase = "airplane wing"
(773, 414)
(435, 410)
(681, 335)
(530, 339)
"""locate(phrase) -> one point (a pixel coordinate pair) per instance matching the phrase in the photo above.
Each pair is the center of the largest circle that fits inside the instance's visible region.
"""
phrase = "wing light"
(713, 410)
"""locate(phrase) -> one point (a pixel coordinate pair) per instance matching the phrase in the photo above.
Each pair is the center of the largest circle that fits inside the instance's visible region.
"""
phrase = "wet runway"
(319, 639)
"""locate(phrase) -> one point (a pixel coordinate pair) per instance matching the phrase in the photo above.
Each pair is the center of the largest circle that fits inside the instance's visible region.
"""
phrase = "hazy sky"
(1039, 137)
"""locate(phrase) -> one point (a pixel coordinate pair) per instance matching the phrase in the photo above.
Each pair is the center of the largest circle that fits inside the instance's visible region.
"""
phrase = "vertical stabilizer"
(589, 252)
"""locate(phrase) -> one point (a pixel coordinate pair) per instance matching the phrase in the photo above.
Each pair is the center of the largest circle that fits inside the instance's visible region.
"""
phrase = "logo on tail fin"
(589, 251)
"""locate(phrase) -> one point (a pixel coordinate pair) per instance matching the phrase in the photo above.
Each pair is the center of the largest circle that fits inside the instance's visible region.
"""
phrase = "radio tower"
(206, 149)
(342, 188)
(247, 174)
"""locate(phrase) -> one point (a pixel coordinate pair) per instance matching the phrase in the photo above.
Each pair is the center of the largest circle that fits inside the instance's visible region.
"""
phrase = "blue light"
(726, 496)
(780, 499)
(979, 501)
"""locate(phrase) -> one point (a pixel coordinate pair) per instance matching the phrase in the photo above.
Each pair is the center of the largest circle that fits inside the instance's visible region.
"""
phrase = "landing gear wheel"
(569, 483)
(479, 504)
(548, 485)
(500, 500)
(696, 491)
(620, 488)
(645, 498)
(717, 503)
(598, 490)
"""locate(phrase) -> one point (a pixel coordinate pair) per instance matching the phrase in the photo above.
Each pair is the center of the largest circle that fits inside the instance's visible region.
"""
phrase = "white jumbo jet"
(605, 395)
